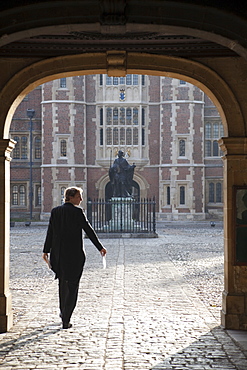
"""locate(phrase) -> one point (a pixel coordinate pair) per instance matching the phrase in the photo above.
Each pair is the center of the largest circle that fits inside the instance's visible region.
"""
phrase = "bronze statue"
(121, 176)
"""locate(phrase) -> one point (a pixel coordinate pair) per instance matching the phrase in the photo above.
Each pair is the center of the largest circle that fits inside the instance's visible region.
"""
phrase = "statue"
(121, 176)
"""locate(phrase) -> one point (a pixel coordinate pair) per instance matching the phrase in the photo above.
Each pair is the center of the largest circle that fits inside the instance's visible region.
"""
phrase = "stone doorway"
(222, 77)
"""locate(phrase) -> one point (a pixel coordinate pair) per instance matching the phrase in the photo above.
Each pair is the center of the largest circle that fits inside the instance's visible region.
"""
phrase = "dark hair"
(71, 192)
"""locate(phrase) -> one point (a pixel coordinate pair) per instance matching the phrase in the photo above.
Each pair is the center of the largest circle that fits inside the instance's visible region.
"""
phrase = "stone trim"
(233, 146)
(116, 63)
(6, 147)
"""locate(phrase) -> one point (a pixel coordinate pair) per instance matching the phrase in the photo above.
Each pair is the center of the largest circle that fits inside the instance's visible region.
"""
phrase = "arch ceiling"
(176, 28)
(64, 32)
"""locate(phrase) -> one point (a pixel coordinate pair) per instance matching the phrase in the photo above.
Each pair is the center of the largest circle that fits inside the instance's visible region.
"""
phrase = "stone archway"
(116, 63)
(103, 182)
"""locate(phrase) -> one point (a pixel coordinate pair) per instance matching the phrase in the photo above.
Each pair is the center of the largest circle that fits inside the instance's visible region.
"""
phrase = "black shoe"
(67, 325)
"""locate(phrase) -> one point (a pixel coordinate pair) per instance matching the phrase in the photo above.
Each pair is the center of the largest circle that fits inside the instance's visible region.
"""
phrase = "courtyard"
(155, 306)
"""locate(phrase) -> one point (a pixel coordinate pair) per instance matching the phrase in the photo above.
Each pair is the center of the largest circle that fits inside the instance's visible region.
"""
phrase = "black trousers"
(68, 293)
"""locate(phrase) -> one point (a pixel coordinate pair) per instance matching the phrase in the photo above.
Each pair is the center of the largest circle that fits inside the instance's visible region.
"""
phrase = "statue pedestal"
(121, 215)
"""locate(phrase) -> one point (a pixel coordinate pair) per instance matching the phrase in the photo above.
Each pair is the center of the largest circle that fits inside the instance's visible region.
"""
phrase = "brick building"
(169, 128)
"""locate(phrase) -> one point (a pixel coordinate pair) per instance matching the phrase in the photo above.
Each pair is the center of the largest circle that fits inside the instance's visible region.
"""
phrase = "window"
(135, 116)
(215, 192)
(18, 196)
(108, 116)
(63, 148)
(16, 151)
(143, 120)
(208, 152)
(135, 136)
(143, 116)
(182, 148)
(211, 193)
(115, 80)
(122, 116)
(168, 195)
(22, 191)
(208, 131)
(122, 136)
(213, 132)
(182, 82)
(115, 116)
(101, 80)
(128, 80)
(108, 136)
(101, 117)
(21, 147)
(143, 136)
(215, 148)
(135, 79)
(128, 116)
(128, 136)
(15, 196)
(108, 80)
(37, 147)
(182, 195)
(24, 147)
(38, 195)
(101, 137)
(115, 136)
(63, 82)
(62, 191)
(122, 126)
(218, 193)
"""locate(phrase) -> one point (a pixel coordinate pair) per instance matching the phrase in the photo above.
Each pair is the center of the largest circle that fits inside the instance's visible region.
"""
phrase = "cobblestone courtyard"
(155, 306)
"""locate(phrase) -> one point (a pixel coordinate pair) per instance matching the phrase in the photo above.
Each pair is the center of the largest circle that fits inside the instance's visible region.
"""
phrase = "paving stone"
(155, 307)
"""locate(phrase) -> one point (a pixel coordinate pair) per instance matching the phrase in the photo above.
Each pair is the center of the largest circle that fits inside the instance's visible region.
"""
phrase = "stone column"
(6, 318)
(234, 305)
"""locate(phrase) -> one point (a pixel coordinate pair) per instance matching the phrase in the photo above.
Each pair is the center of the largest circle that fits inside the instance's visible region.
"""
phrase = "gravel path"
(196, 249)
(156, 306)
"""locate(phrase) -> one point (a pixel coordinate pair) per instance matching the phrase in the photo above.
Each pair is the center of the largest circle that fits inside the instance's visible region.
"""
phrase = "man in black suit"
(65, 245)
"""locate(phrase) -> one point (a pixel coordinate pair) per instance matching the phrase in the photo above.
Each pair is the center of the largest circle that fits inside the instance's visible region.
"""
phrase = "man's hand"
(45, 258)
(103, 252)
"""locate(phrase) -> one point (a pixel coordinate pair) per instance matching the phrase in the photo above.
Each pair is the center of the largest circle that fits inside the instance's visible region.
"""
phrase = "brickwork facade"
(21, 186)
(167, 127)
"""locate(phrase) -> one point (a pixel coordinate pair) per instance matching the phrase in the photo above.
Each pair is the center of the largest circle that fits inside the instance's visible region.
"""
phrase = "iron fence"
(122, 215)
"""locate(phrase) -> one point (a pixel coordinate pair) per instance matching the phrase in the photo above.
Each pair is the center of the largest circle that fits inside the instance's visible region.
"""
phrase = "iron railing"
(122, 215)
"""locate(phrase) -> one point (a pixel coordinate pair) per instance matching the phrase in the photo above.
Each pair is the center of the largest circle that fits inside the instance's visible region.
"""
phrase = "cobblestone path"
(156, 306)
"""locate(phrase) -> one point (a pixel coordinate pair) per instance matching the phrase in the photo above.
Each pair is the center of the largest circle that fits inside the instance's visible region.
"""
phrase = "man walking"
(65, 245)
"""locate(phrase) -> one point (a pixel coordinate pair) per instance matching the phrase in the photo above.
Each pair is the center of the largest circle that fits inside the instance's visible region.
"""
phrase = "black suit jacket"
(64, 241)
